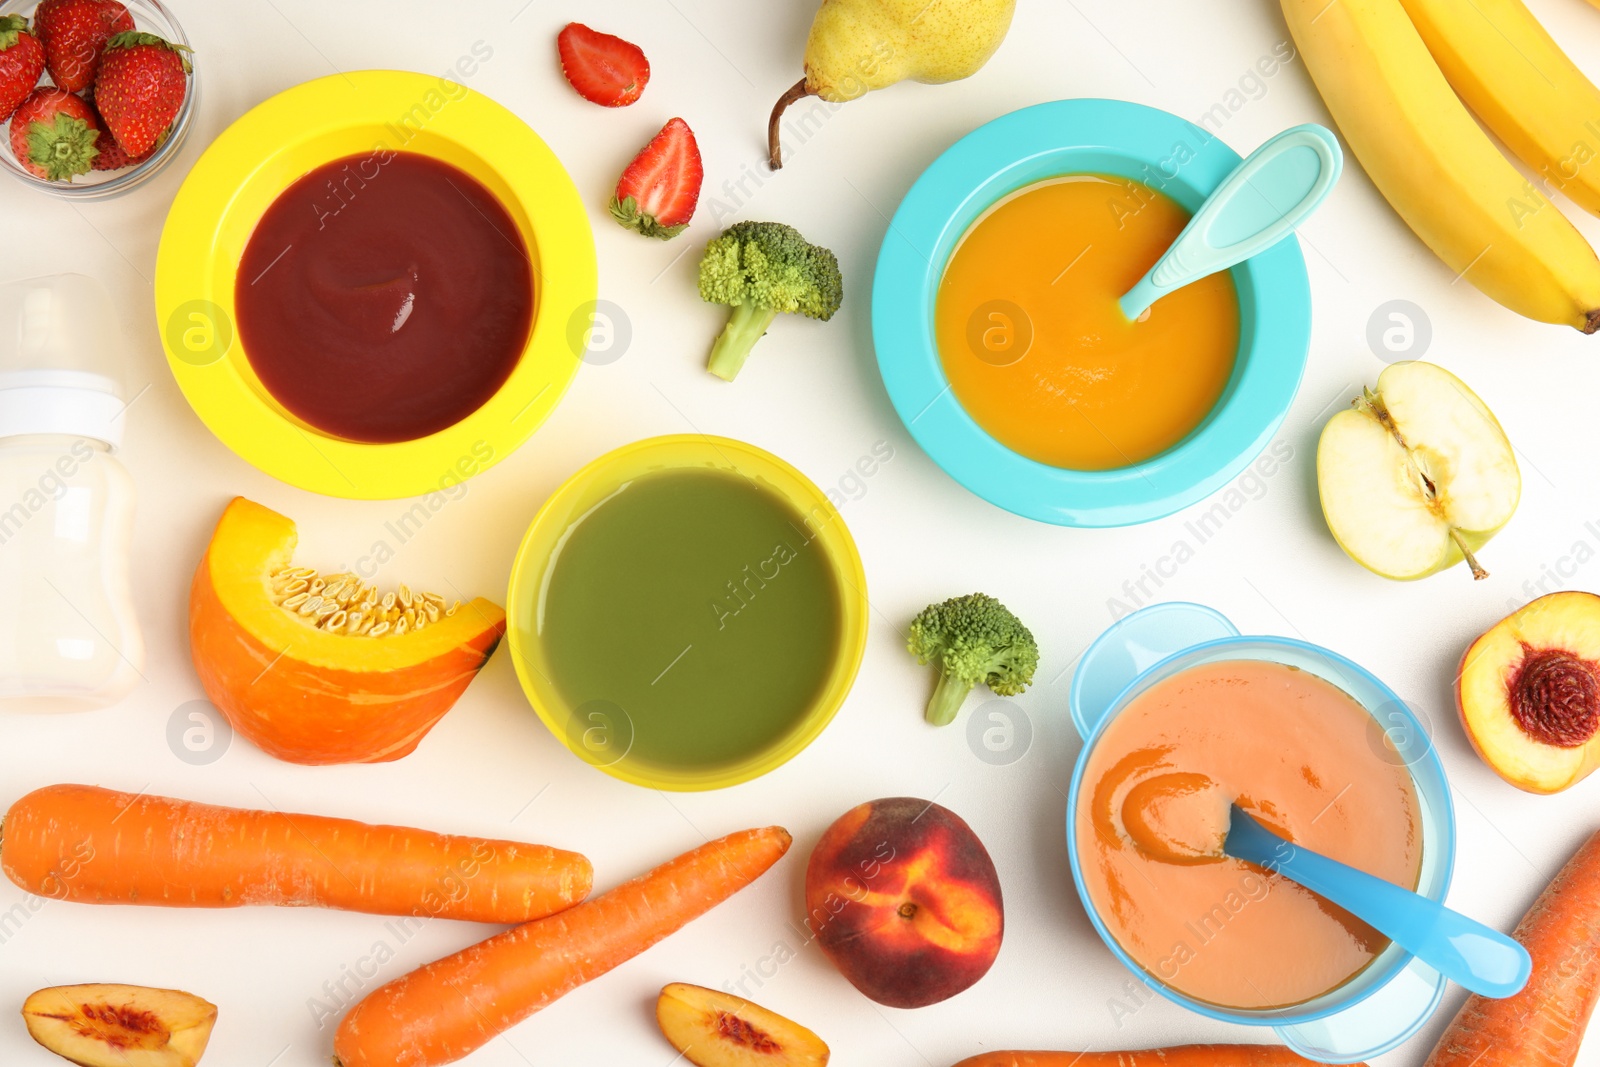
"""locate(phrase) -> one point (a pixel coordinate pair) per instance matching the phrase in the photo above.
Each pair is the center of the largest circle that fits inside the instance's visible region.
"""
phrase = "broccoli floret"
(761, 269)
(973, 639)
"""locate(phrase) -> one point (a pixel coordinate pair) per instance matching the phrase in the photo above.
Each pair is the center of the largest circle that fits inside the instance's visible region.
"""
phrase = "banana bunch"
(1398, 77)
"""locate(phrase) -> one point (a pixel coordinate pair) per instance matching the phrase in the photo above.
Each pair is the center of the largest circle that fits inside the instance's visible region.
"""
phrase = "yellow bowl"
(266, 151)
(606, 744)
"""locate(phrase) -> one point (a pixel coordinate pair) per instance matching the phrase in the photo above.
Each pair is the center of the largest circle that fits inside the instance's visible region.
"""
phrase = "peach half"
(1529, 693)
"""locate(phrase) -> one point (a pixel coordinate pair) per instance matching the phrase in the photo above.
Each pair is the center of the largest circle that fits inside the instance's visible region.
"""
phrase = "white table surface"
(812, 394)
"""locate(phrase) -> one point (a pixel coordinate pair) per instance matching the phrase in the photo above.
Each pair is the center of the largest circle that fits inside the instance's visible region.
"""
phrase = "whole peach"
(903, 898)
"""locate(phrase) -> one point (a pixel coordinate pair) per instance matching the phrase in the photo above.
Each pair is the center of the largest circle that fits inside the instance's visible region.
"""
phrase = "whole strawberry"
(53, 134)
(109, 155)
(21, 63)
(140, 88)
(74, 33)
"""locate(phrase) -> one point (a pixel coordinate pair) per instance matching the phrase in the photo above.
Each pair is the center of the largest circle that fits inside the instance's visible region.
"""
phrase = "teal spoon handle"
(1254, 208)
(1470, 954)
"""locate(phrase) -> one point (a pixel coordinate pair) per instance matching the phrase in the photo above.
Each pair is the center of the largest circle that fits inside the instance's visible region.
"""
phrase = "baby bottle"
(68, 636)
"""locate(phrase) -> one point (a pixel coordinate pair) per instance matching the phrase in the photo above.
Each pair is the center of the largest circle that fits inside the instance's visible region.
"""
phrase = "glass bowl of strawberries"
(96, 96)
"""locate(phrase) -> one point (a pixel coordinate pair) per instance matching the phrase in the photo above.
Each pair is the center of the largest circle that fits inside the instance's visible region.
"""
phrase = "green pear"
(1417, 476)
(860, 45)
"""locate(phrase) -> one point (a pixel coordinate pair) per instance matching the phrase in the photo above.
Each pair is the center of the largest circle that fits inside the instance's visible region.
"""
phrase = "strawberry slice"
(605, 70)
(660, 188)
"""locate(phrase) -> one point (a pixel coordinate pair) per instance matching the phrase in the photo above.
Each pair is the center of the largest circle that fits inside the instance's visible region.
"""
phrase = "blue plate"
(1018, 150)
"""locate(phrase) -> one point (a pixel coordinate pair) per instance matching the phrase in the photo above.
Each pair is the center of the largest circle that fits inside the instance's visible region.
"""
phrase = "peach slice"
(120, 1025)
(1529, 693)
(715, 1029)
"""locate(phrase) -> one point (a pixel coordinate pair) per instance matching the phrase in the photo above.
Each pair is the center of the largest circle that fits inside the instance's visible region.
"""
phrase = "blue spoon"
(1254, 208)
(1468, 953)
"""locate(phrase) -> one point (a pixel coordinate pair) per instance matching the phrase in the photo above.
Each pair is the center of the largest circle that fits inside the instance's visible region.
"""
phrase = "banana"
(1505, 67)
(1437, 167)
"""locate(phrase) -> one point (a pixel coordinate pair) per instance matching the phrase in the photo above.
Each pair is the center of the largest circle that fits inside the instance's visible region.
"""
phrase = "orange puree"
(1039, 354)
(1295, 751)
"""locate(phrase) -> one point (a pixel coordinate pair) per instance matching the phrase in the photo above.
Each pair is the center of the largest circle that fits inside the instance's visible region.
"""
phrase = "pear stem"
(797, 91)
(1478, 573)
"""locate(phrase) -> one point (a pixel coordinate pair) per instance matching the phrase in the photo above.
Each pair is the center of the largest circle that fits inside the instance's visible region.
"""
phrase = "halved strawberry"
(74, 33)
(53, 134)
(660, 188)
(605, 70)
(21, 63)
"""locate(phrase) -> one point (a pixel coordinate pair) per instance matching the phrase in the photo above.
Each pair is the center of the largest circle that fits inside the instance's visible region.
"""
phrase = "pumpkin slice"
(317, 669)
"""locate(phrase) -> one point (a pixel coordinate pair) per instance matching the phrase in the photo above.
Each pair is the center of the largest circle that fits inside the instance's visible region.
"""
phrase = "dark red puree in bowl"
(384, 301)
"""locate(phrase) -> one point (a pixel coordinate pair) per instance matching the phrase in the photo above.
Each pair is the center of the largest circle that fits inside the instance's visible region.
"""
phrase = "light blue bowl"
(1396, 993)
(1018, 150)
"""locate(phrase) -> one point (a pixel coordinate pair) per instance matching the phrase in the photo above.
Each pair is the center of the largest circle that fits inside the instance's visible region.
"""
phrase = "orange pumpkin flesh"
(304, 694)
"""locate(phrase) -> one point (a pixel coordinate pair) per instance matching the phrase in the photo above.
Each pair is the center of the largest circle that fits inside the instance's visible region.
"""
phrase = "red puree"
(384, 302)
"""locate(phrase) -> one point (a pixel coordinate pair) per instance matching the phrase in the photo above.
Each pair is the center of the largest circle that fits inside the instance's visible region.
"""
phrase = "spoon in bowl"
(1267, 196)
(1470, 954)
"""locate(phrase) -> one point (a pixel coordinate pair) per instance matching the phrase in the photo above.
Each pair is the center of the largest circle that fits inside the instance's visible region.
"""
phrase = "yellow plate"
(605, 744)
(266, 151)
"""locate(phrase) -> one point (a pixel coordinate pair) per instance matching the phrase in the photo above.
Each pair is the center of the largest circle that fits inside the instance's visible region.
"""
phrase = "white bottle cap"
(59, 360)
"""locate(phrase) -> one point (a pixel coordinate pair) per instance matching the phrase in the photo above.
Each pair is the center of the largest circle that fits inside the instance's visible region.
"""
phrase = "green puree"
(697, 602)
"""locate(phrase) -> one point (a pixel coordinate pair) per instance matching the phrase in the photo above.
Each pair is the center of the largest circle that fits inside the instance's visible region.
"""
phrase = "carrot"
(1542, 1026)
(97, 846)
(442, 1011)
(1179, 1056)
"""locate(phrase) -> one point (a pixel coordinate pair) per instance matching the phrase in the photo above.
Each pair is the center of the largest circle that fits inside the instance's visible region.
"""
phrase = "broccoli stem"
(947, 699)
(744, 329)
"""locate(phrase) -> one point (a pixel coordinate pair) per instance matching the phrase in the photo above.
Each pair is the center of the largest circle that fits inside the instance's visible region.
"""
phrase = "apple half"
(1529, 693)
(1417, 475)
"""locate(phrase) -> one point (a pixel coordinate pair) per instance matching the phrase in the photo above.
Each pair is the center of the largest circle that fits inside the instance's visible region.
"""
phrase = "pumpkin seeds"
(344, 604)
